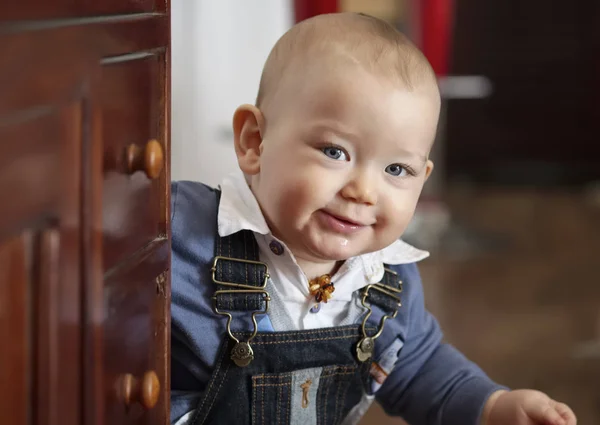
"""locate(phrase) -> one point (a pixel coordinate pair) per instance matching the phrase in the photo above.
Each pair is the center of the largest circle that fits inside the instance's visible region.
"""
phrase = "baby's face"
(343, 161)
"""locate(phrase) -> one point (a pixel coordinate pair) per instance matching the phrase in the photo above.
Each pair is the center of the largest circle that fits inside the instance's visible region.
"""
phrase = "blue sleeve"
(432, 382)
(195, 334)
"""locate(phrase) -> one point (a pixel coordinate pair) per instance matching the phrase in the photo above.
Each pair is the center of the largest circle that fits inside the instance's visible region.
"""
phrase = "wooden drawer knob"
(149, 159)
(144, 391)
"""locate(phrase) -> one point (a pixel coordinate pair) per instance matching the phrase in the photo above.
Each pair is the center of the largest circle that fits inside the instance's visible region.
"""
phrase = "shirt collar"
(239, 210)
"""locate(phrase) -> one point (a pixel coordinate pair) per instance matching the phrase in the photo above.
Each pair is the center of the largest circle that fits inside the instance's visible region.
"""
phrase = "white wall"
(218, 50)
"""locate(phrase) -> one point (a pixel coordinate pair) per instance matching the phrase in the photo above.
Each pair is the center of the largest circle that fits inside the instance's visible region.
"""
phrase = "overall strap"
(386, 295)
(236, 268)
(241, 281)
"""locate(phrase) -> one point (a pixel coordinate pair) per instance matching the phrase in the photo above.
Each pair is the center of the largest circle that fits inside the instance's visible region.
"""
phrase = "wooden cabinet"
(133, 127)
(84, 212)
(61, 9)
(134, 341)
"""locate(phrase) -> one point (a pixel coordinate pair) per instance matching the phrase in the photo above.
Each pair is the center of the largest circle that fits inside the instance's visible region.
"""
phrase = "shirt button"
(276, 247)
(315, 308)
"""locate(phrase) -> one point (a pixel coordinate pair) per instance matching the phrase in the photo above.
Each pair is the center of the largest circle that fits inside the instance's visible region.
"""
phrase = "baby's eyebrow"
(333, 128)
(414, 155)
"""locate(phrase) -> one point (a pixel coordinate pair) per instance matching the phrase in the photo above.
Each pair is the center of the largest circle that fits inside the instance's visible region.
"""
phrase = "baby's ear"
(428, 168)
(248, 122)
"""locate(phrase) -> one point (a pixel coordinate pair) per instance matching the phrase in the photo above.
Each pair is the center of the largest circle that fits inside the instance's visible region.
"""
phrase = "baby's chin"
(332, 251)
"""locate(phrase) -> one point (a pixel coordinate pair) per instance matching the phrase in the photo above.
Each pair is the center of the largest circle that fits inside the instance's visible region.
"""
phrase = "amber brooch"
(322, 288)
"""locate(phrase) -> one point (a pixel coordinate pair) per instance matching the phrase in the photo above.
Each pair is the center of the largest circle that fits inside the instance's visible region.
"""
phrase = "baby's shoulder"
(407, 273)
(189, 196)
(193, 210)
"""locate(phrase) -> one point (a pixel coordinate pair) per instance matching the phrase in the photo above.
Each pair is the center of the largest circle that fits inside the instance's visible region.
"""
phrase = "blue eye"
(396, 170)
(335, 153)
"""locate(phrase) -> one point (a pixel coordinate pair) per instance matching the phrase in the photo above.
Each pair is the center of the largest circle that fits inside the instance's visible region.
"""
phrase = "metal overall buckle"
(366, 346)
(242, 353)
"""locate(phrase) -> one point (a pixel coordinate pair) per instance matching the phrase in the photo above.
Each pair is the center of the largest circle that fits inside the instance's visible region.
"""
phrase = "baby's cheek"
(294, 197)
(397, 216)
(385, 236)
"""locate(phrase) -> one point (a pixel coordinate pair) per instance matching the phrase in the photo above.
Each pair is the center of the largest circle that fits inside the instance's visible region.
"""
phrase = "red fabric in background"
(436, 32)
(305, 9)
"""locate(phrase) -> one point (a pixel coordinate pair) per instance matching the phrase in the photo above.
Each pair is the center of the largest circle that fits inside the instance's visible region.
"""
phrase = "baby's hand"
(526, 407)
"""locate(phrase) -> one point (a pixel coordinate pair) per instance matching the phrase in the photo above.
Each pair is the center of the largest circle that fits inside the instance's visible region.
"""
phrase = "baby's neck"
(315, 269)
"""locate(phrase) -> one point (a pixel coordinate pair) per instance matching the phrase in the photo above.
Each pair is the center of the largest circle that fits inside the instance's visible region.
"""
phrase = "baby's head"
(336, 148)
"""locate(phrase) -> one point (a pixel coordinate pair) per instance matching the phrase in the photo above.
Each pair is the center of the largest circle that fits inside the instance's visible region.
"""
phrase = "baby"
(294, 300)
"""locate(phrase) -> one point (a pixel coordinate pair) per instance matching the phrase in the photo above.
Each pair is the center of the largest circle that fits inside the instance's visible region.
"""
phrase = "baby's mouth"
(339, 223)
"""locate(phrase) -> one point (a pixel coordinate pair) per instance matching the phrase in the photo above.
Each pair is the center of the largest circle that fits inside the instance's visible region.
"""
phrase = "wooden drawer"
(133, 115)
(136, 341)
(36, 9)
(42, 131)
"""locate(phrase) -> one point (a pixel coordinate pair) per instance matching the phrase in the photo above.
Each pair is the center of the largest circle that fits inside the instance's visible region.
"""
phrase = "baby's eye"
(396, 170)
(335, 153)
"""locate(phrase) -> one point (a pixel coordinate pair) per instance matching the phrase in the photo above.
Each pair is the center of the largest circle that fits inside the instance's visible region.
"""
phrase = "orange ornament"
(322, 288)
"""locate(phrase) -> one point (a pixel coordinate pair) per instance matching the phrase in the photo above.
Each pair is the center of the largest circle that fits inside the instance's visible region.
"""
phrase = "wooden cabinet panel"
(122, 6)
(35, 9)
(135, 343)
(16, 360)
(42, 133)
(35, 146)
(134, 154)
(38, 304)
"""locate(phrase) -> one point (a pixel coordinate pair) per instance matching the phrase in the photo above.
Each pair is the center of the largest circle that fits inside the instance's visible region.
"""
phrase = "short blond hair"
(372, 42)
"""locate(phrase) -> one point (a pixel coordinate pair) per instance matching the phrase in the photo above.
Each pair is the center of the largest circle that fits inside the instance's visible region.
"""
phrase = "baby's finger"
(546, 414)
(565, 412)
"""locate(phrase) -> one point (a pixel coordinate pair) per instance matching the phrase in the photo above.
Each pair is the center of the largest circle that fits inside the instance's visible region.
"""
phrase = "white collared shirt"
(239, 210)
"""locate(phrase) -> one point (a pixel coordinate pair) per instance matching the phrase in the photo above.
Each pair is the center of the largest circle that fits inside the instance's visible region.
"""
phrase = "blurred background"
(512, 211)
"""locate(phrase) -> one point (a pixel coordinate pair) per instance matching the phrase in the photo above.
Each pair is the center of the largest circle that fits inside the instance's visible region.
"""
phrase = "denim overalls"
(238, 370)
(299, 377)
